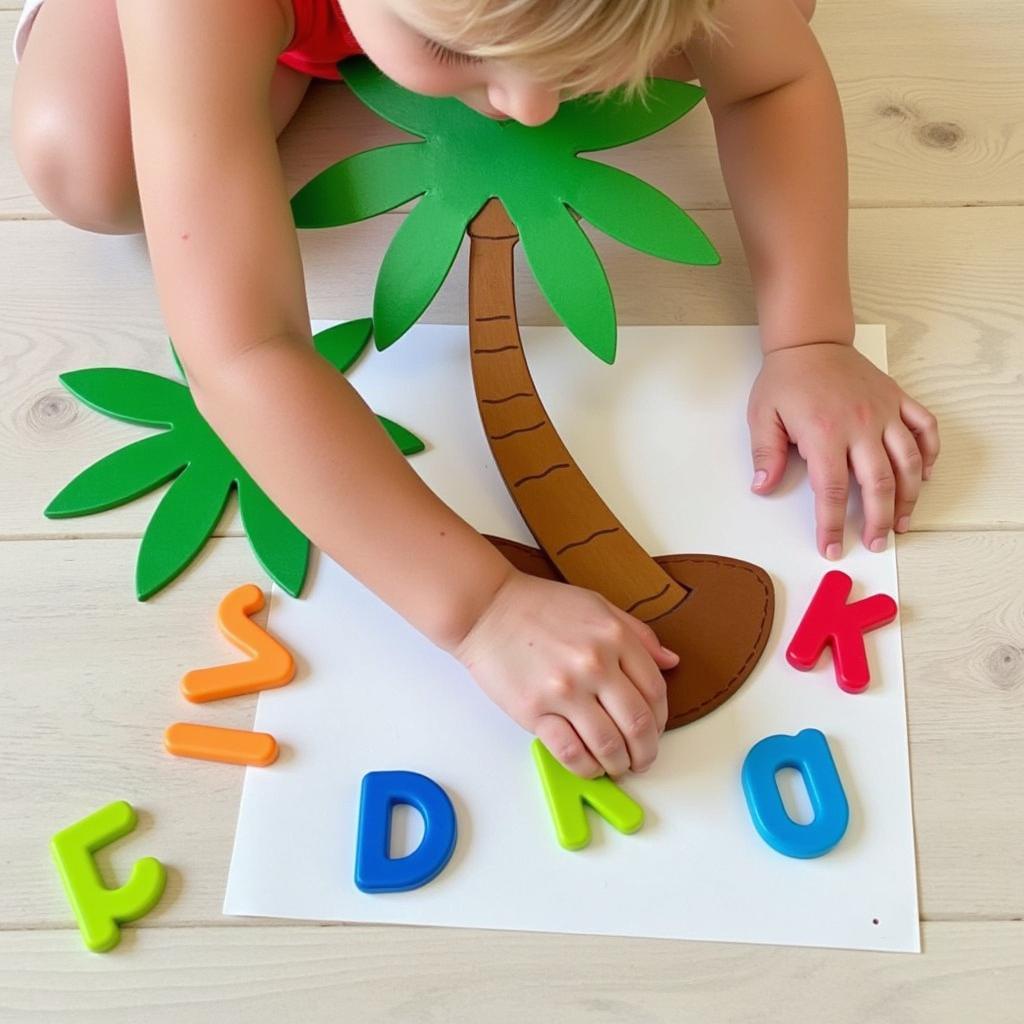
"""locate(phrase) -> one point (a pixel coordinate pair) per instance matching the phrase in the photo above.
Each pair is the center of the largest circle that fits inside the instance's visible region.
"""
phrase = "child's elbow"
(206, 377)
(219, 375)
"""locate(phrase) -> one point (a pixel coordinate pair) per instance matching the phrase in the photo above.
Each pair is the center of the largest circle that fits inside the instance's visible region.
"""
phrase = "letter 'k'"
(829, 620)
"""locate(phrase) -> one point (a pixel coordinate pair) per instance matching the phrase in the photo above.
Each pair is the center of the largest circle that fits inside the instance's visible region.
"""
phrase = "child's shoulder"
(753, 47)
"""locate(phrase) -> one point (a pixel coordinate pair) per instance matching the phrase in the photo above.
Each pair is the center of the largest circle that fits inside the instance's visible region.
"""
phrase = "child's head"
(518, 58)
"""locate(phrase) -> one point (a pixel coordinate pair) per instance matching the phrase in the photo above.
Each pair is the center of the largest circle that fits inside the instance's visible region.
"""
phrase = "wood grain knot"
(1004, 665)
(52, 410)
(895, 112)
(940, 135)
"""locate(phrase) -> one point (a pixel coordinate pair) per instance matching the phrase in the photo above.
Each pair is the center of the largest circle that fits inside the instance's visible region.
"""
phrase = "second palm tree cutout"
(503, 180)
(203, 469)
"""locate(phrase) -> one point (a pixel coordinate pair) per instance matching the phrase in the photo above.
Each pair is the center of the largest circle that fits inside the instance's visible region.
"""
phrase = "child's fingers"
(648, 681)
(565, 745)
(874, 472)
(643, 666)
(769, 449)
(602, 737)
(663, 657)
(635, 720)
(925, 429)
(906, 457)
(830, 482)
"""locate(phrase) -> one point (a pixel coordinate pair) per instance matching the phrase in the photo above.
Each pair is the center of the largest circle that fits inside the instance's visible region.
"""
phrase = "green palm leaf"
(587, 124)
(122, 476)
(188, 512)
(132, 395)
(187, 515)
(413, 112)
(637, 214)
(466, 158)
(415, 265)
(362, 186)
(569, 274)
(406, 441)
(280, 547)
(343, 344)
(177, 361)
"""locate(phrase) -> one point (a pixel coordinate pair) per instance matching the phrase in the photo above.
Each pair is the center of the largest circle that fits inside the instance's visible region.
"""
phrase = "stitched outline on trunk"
(758, 648)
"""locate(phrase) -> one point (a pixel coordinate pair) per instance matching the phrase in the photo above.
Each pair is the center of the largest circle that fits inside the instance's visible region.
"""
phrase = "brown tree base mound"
(719, 630)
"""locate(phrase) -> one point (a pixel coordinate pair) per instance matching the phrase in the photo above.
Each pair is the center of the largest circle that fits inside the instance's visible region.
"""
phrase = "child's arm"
(780, 135)
(562, 661)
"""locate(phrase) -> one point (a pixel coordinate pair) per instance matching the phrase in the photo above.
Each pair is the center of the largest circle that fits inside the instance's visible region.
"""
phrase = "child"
(210, 85)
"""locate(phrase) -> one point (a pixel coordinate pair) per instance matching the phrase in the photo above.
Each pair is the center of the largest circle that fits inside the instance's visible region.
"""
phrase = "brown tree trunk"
(576, 529)
(715, 612)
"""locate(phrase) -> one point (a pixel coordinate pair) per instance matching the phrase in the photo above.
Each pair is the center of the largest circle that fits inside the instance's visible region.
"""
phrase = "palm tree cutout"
(203, 469)
(506, 182)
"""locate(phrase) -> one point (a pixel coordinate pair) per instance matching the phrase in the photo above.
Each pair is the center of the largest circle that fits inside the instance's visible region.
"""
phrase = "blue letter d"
(376, 870)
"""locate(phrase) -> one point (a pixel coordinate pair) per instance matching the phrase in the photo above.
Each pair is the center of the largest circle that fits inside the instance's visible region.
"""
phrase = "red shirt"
(322, 38)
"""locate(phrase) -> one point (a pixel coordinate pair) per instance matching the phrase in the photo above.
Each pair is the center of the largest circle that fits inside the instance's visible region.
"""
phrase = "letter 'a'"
(808, 752)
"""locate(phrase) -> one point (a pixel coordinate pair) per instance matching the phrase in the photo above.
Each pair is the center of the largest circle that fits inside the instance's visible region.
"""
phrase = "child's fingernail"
(834, 551)
(903, 524)
(759, 478)
(879, 544)
(927, 473)
(668, 653)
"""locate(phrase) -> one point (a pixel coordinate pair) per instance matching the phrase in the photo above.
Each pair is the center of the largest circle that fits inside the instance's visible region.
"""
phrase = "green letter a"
(566, 794)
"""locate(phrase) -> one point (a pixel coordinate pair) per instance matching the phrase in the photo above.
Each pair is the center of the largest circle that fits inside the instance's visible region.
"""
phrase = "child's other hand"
(841, 412)
(575, 670)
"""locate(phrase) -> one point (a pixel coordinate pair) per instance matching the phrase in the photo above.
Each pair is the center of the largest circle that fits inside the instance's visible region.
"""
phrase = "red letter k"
(830, 620)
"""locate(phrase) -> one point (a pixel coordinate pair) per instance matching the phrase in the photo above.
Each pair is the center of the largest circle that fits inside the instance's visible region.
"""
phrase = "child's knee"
(76, 177)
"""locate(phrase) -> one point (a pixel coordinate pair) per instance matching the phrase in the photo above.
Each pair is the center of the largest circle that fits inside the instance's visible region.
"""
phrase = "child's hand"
(575, 670)
(835, 405)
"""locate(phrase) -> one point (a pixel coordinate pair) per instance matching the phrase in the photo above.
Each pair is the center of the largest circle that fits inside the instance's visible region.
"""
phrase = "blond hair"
(581, 45)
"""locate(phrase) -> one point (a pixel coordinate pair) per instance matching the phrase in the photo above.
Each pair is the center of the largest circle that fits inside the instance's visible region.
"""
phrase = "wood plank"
(91, 680)
(969, 971)
(963, 658)
(931, 93)
(932, 106)
(947, 282)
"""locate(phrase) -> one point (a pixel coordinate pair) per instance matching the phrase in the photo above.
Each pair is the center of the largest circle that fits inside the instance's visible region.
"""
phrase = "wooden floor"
(934, 97)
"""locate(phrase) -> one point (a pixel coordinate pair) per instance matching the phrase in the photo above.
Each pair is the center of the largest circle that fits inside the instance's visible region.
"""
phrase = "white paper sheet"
(662, 436)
